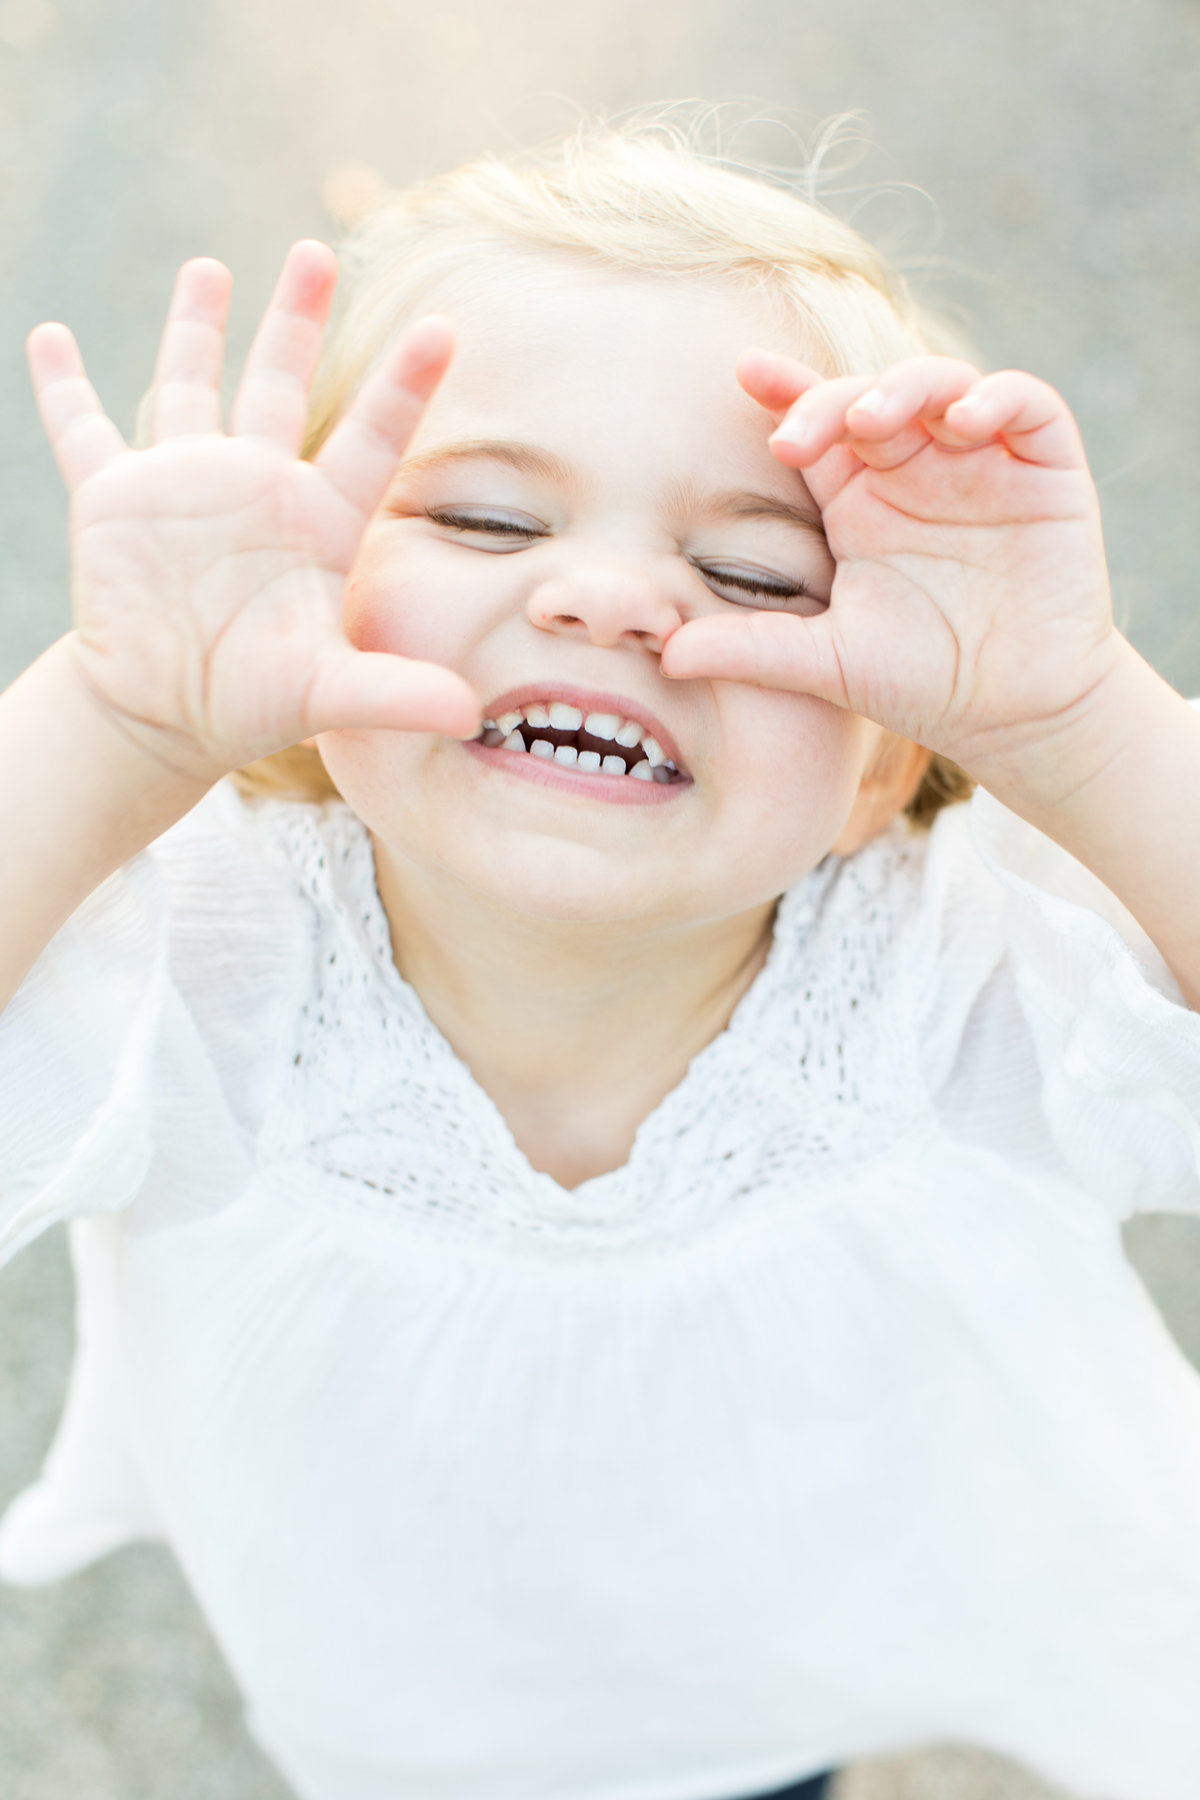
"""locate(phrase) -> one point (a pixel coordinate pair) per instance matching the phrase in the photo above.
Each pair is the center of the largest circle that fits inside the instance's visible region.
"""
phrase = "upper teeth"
(602, 725)
(558, 716)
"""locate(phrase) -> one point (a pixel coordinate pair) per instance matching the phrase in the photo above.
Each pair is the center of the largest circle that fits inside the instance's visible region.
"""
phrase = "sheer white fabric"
(834, 1421)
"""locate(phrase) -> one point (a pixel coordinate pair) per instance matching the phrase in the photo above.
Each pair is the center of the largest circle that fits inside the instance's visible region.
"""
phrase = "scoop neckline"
(597, 1194)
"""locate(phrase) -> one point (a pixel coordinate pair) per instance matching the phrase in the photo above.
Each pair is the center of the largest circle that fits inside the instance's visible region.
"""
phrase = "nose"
(606, 604)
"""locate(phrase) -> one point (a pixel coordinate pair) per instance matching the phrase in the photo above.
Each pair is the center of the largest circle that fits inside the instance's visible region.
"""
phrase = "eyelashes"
(741, 585)
(757, 584)
(468, 519)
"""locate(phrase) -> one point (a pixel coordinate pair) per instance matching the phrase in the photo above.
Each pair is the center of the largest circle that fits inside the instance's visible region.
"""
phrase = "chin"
(556, 883)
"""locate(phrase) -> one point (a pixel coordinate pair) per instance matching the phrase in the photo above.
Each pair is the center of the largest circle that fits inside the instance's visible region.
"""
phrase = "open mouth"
(594, 743)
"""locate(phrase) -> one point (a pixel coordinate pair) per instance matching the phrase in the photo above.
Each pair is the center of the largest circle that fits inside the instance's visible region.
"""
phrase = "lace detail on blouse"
(816, 1069)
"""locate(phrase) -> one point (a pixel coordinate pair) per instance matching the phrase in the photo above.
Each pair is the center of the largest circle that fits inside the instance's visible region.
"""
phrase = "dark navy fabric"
(815, 1788)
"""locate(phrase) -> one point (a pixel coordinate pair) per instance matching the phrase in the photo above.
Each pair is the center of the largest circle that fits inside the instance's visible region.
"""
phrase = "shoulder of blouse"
(243, 926)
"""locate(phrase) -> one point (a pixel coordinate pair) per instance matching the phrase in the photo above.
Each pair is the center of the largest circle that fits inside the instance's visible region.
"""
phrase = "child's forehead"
(595, 347)
(623, 389)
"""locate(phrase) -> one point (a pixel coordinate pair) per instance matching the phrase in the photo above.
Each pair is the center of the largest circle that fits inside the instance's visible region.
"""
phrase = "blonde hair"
(638, 197)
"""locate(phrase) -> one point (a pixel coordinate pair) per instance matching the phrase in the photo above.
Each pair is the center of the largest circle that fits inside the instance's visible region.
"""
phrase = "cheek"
(795, 760)
(394, 605)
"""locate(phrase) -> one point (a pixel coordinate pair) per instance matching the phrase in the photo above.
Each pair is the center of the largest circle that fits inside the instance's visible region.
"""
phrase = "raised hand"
(970, 607)
(208, 569)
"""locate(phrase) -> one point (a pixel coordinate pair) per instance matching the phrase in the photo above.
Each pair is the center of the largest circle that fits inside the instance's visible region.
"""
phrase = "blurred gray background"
(1037, 159)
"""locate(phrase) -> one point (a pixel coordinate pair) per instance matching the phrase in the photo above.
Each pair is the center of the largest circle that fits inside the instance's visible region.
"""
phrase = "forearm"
(77, 800)
(1127, 806)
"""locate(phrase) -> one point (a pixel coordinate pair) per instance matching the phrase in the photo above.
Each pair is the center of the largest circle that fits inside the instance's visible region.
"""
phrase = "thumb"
(766, 649)
(361, 689)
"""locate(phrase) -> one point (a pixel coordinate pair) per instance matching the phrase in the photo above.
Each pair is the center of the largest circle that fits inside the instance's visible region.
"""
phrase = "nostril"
(617, 607)
(568, 622)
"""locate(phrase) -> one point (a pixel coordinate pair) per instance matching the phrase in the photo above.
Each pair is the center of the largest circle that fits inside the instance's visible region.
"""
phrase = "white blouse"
(834, 1422)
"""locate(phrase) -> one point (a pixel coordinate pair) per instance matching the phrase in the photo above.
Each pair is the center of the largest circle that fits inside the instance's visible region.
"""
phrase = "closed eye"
(743, 584)
(506, 530)
(746, 585)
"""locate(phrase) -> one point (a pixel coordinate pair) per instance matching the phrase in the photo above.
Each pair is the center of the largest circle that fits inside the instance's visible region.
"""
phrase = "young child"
(598, 1239)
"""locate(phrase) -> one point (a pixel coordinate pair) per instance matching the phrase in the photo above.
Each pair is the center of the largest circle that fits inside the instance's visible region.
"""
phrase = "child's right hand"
(208, 569)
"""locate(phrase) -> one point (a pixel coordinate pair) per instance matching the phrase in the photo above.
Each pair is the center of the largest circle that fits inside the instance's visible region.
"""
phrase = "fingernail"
(874, 401)
(795, 432)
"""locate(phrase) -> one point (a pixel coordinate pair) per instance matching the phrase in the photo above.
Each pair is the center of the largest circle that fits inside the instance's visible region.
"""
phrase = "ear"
(895, 773)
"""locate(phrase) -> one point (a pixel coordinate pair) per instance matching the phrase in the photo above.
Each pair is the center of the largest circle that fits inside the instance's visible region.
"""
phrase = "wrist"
(78, 799)
(1051, 770)
(85, 740)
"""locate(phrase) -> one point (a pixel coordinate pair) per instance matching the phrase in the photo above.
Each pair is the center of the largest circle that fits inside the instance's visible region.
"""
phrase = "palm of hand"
(970, 607)
(208, 571)
(971, 594)
(254, 575)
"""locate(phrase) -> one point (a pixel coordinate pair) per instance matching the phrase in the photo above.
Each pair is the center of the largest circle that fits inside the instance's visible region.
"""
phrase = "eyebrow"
(528, 458)
(685, 497)
(745, 503)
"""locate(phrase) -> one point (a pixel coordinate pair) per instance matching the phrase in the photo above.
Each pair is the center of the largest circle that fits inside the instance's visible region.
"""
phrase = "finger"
(766, 649)
(817, 420)
(81, 434)
(1031, 418)
(775, 381)
(272, 398)
(920, 388)
(187, 376)
(895, 450)
(363, 690)
(778, 383)
(359, 458)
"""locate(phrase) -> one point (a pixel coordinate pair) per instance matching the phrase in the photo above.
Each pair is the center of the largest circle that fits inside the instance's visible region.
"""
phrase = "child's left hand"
(970, 612)
(970, 608)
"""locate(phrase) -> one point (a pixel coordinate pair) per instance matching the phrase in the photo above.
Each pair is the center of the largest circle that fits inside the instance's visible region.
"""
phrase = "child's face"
(589, 476)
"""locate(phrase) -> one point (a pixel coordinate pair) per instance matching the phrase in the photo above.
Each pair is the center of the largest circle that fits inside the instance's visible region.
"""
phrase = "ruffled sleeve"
(1054, 1030)
(77, 1049)
(137, 1058)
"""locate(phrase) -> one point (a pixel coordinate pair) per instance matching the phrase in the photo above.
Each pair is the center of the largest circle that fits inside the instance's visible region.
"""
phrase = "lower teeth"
(591, 762)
